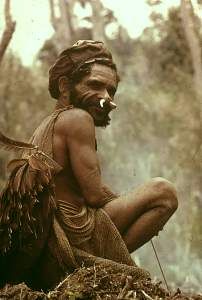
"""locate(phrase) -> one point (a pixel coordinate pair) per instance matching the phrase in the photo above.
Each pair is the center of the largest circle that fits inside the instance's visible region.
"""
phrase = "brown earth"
(96, 283)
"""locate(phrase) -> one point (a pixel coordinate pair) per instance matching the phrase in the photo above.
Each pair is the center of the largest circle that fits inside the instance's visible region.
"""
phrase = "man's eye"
(96, 84)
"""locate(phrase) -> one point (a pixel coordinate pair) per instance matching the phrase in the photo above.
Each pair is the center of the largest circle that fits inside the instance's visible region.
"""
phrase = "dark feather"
(19, 198)
(9, 144)
(23, 184)
(51, 163)
(16, 163)
(37, 163)
(17, 182)
(28, 179)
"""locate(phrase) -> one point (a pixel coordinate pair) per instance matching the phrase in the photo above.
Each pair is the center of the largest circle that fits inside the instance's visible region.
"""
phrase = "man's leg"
(141, 214)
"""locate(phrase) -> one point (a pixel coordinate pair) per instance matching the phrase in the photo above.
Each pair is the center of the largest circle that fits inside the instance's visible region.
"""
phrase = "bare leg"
(142, 214)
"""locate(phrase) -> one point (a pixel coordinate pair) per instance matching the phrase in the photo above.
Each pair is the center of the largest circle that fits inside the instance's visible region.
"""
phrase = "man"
(91, 224)
(138, 216)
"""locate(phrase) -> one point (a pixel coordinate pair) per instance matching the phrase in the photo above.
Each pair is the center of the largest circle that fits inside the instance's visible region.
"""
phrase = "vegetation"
(96, 283)
(156, 130)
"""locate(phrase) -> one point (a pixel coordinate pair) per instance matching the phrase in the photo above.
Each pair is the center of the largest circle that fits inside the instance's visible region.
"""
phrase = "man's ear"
(63, 85)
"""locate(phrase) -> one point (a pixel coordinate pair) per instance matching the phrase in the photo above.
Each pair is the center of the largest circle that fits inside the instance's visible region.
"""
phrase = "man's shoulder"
(73, 120)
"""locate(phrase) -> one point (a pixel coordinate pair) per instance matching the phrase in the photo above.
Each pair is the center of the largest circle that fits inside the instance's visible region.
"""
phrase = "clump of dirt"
(101, 283)
(96, 283)
(20, 292)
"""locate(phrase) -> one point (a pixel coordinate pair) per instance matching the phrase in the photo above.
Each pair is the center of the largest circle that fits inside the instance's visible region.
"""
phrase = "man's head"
(89, 74)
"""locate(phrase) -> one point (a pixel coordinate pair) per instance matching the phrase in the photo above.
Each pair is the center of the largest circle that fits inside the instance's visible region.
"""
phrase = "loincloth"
(86, 237)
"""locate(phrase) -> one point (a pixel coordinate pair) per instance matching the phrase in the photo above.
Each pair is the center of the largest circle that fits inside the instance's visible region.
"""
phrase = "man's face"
(101, 83)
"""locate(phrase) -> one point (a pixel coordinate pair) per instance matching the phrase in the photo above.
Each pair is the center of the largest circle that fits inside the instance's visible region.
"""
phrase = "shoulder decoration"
(29, 176)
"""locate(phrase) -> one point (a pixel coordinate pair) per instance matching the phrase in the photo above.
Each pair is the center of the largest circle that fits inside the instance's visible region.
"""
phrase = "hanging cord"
(160, 265)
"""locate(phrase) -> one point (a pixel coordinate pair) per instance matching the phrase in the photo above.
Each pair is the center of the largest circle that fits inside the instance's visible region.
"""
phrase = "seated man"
(91, 224)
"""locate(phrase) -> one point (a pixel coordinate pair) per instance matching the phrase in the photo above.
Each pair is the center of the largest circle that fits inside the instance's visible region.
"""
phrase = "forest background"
(156, 130)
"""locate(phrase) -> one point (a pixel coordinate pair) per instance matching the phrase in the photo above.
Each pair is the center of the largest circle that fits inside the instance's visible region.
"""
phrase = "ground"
(96, 283)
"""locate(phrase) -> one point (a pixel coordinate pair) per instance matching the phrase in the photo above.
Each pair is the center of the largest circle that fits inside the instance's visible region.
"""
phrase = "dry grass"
(96, 283)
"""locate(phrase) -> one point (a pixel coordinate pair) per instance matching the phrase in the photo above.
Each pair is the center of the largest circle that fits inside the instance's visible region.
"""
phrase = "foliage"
(23, 99)
(159, 124)
(155, 130)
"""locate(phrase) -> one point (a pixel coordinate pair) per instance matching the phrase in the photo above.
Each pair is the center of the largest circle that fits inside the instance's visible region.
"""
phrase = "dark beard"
(92, 106)
(101, 119)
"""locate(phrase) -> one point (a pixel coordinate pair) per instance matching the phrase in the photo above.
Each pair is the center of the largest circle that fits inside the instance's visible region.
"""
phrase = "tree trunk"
(6, 112)
(98, 30)
(63, 25)
(188, 22)
(53, 18)
(64, 30)
(187, 15)
(9, 30)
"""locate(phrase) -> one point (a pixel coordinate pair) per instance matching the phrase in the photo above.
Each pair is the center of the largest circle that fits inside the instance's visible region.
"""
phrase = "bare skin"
(138, 216)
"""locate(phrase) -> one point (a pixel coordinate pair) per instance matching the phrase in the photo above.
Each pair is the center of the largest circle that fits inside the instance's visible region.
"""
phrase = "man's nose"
(106, 95)
(107, 103)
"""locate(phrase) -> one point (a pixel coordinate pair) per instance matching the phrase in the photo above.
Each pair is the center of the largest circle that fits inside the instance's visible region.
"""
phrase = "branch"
(53, 18)
(9, 30)
(98, 21)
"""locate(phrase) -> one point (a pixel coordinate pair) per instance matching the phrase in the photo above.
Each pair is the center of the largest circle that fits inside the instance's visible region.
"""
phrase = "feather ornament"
(28, 178)
(12, 145)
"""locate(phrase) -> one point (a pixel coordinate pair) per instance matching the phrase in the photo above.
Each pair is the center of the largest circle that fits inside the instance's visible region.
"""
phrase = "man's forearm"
(96, 193)
(105, 197)
(102, 198)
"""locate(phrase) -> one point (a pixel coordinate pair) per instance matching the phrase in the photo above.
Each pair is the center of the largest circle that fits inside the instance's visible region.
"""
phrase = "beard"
(91, 104)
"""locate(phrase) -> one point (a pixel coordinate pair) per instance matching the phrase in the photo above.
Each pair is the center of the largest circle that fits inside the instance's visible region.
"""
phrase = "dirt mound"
(20, 292)
(96, 283)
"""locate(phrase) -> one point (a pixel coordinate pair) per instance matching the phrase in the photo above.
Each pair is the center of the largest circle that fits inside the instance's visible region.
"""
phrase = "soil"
(96, 283)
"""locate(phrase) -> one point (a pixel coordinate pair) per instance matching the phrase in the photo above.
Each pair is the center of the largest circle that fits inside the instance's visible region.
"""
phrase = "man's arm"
(81, 146)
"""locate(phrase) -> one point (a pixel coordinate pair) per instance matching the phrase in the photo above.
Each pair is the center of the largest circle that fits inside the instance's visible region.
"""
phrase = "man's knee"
(167, 194)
